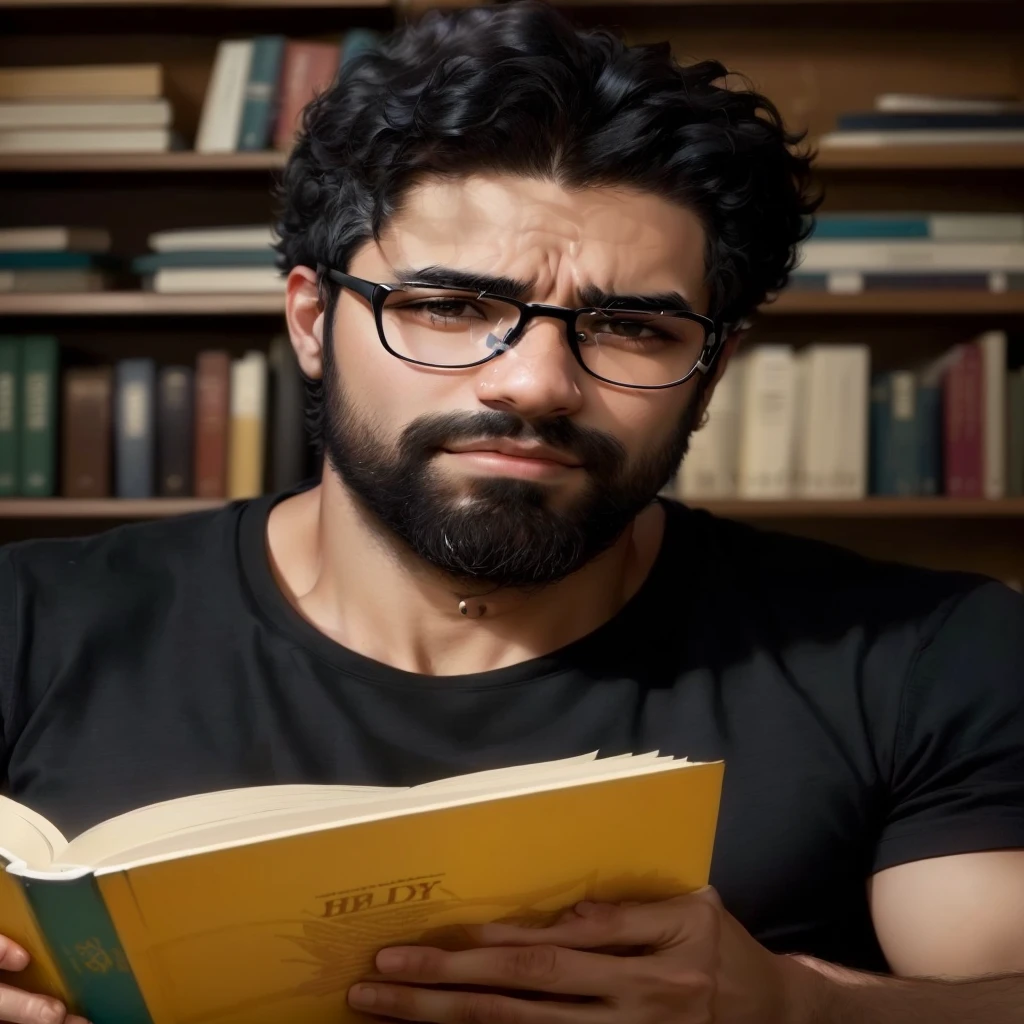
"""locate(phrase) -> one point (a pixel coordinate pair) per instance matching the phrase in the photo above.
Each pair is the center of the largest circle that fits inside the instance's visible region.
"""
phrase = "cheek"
(641, 420)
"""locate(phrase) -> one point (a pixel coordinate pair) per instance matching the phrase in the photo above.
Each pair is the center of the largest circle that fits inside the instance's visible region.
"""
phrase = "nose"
(538, 378)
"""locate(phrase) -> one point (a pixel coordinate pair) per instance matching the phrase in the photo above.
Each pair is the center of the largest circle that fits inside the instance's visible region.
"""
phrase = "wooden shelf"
(183, 161)
(869, 508)
(102, 508)
(139, 303)
(992, 156)
(355, 4)
(909, 303)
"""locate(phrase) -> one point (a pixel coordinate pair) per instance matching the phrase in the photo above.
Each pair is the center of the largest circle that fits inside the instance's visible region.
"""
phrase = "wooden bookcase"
(814, 58)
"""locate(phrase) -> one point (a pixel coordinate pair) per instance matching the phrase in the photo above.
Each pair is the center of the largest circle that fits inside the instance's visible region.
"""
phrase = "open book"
(256, 906)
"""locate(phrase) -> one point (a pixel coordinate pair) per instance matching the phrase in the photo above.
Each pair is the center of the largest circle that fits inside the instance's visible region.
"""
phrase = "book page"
(274, 824)
(28, 836)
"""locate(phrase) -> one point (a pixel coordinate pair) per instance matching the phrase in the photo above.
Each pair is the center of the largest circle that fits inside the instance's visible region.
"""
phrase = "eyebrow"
(516, 288)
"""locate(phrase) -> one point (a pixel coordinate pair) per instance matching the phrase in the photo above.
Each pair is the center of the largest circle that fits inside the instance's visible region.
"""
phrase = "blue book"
(261, 93)
(894, 459)
(878, 436)
(155, 261)
(875, 122)
(135, 427)
(53, 261)
(929, 438)
(870, 227)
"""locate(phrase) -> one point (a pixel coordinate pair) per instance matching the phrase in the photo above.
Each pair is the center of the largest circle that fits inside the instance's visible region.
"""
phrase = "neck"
(366, 591)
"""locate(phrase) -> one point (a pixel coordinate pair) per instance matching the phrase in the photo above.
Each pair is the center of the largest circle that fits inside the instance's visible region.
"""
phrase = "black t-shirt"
(868, 714)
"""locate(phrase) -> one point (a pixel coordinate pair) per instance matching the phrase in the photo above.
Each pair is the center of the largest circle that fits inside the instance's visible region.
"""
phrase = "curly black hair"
(517, 89)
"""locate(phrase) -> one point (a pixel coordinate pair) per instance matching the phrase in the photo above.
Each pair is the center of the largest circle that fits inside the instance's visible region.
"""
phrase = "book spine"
(87, 433)
(1015, 434)
(84, 943)
(936, 226)
(963, 433)
(221, 117)
(902, 122)
(10, 357)
(902, 455)
(38, 417)
(992, 346)
(175, 420)
(261, 93)
(874, 257)
(212, 409)
(248, 418)
(308, 69)
(768, 433)
(929, 440)
(880, 426)
(288, 439)
(136, 380)
(870, 227)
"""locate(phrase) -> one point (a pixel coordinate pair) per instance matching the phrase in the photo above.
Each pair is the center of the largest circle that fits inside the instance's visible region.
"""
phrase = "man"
(518, 259)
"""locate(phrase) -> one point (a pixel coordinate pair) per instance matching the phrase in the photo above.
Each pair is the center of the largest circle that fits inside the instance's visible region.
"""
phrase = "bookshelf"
(814, 58)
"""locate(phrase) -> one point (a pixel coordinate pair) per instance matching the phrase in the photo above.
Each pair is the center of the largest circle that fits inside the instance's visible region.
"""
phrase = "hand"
(18, 1007)
(692, 963)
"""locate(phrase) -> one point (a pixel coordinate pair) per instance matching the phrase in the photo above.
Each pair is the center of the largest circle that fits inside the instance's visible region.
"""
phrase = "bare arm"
(952, 929)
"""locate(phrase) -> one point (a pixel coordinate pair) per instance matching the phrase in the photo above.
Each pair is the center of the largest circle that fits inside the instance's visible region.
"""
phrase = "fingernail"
(51, 1013)
(362, 995)
(389, 960)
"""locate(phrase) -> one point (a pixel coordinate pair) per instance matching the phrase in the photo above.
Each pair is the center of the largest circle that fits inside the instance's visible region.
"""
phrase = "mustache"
(598, 452)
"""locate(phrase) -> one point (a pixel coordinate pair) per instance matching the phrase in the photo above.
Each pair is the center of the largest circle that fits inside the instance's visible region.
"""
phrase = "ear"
(305, 317)
(729, 346)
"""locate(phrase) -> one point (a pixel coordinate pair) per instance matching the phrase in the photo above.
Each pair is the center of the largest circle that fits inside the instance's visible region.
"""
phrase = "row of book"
(229, 260)
(815, 423)
(221, 428)
(259, 87)
(254, 100)
(850, 253)
(900, 119)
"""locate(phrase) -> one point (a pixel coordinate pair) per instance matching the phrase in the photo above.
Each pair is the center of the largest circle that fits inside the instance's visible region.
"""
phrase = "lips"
(537, 452)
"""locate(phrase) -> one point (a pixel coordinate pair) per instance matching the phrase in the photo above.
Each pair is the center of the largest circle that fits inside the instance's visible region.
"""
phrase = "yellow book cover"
(262, 912)
(246, 431)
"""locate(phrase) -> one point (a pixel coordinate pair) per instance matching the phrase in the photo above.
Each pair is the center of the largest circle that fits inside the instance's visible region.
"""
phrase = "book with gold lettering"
(263, 905)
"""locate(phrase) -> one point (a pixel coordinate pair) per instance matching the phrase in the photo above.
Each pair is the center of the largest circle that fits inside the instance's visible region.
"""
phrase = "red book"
(307, 70)
(212, 411)
(963, 425)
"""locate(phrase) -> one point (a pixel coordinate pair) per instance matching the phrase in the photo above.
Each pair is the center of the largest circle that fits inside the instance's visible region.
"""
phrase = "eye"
(447, 309)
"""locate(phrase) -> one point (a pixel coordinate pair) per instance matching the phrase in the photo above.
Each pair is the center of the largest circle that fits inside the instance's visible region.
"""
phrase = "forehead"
(621, 240)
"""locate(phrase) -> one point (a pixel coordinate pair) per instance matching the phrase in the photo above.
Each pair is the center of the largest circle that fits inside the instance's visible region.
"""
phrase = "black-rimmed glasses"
(453, 328)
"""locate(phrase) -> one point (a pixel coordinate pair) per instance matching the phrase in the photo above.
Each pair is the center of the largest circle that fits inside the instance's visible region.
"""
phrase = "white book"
(248, 237)
(974, 227)
(711, 467)
(993, 371)
(832, 416)
(920, 137)
(852, 282)
(218, 280)
(913, 103)
(54, 239)
(919, 256)
(221, 119)
(90, 140)
(768, 423)
(53, 280)
(83, 114)
(248, 425)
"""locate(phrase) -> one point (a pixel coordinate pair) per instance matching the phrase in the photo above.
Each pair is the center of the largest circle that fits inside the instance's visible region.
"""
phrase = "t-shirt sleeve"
(957, 781)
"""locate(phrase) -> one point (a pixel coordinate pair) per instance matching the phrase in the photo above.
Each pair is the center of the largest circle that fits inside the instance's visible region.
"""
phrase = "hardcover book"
(264, 905)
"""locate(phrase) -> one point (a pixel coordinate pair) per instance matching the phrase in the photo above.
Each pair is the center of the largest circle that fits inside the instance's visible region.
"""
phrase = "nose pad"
(496, 344)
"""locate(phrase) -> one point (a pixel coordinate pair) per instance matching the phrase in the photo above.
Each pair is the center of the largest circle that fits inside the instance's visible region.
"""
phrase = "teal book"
(928, 416)
(259, 108)
(10, 428)
(55, 261)
(878, 435)
(356, 41)
(39, 370)
(155, 261)
(894, 448)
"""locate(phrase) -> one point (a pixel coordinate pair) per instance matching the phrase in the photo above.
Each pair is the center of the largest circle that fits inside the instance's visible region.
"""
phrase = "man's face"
(417, 445)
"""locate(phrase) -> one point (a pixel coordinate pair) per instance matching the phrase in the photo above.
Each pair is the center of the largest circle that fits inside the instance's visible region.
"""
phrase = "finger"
(440, 1007)
(12, 956)
(533, 968)
(17, 1007)
(596, 925)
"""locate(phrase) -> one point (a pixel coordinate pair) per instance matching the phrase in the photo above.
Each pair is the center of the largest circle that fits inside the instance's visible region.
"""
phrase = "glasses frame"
(376, 294)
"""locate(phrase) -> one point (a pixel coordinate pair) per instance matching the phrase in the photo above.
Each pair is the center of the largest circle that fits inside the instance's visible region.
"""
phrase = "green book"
(10, 352)
(39, 359)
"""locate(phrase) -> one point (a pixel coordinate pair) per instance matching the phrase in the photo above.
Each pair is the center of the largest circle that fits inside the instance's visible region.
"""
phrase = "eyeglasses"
(452, 328)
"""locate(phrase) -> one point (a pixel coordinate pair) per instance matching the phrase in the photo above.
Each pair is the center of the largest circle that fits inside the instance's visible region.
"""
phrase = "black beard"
(503, 533)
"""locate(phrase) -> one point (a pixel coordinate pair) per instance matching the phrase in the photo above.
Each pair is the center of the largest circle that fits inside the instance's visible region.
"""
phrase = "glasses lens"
(639, 348)
(444, 327)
